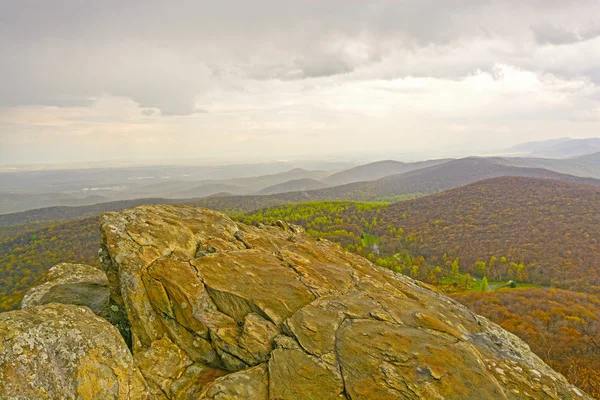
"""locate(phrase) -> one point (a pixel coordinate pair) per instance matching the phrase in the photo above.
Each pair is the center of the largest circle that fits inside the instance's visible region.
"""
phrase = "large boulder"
(77, 284)
(224, 310)
(59, 351)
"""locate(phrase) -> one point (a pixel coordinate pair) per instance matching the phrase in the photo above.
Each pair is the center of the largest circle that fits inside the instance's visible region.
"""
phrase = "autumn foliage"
(561, 326)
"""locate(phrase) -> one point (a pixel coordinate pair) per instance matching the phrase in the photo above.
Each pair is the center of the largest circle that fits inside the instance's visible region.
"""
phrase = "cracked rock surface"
(59, 351)
(77, 284)
(219, 310)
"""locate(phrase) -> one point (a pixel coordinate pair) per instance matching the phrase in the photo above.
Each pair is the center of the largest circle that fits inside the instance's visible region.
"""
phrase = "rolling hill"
(428, 180)
(459, 173)
(16, 202)
(548, 231)
(80, 186)
(558, 148)
(295, 185)
(584, 166)
(377, 170)
(592, 159)
(208, 190)
(385, 180)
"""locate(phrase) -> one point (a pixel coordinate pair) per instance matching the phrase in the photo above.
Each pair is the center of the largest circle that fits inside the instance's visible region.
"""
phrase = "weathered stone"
(248, 384)
(64, 351)
(76, 284)
(257, 337)
(380, 360)
(194, 379)
(315, 328)
(161, 365)
(328, 323)
(295, 375)
(281, 292)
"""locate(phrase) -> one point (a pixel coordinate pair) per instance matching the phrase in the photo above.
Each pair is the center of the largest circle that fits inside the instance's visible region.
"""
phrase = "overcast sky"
(278, 79)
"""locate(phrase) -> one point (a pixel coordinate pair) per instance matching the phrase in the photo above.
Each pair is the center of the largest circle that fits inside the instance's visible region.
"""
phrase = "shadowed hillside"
(377, 170)
(547, 230)
(585, 166)
(559, 148)
(294, 186)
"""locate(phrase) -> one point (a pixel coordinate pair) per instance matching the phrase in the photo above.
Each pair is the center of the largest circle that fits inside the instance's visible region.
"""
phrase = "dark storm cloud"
(162, 54)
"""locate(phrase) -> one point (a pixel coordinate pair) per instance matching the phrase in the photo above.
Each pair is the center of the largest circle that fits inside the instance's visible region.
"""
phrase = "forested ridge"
(535, 230)
(531, 230)
(411, 184)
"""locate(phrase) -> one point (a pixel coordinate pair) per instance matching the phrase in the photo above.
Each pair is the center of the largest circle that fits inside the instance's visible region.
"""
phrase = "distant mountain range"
(295, 185)
(585, 166)
(377, 170)
(429, 180)
(558, 148)
(388, 179)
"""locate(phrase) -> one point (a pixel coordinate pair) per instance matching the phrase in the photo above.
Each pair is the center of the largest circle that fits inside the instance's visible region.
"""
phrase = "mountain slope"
(546, 319)
(591, 159)
(584, 166)
(559, 148)
(429, 180)
(437, 178)
(16, 202)
(21, 191)
(459, 173)
(549, 228)
(293, 186)
(377, 170)
(207, 190)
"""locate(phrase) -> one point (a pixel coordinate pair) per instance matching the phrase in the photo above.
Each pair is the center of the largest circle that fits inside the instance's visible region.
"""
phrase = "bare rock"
(273, 313)
(76, 284)
(293, 374)
(251, 383)
(59, 351)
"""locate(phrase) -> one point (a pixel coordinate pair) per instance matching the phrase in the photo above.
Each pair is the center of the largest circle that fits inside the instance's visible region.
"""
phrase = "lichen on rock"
(58, 351)
(223, 309)
(76, 284)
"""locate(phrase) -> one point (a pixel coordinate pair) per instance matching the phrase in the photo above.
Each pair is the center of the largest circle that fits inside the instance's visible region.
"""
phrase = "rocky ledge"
(77, 284)
(58, 351)
(213, 309)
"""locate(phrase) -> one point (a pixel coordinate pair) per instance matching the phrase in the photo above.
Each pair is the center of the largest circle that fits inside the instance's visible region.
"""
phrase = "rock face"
(59, 351)
(219, 310)
(76, 284)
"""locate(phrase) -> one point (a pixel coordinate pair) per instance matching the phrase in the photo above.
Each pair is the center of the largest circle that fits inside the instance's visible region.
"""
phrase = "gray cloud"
(238, 77)
(556, 35)
(162, 55)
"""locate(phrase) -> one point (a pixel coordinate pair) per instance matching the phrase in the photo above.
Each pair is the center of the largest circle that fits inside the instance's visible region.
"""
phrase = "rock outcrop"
(218, 310)
(59, 351)
(76, 284)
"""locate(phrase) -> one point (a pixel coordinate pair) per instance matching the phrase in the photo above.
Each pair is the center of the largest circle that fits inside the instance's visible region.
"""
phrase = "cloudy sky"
(273, 79)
